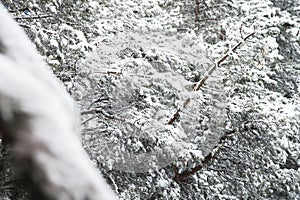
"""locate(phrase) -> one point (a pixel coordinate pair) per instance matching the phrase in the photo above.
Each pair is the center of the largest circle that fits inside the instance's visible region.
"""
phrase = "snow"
(271, 42)
(53, 9)
(284, 142)
(163, 183)
(53, 43)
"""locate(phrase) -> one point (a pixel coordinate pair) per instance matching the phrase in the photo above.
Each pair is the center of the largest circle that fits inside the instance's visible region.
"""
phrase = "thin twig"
(200, 84)
(32, 17)
(24, 26)
(207, 19)
(109, 116)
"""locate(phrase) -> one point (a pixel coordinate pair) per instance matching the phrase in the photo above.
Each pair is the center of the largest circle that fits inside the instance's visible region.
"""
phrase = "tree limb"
(176, 115)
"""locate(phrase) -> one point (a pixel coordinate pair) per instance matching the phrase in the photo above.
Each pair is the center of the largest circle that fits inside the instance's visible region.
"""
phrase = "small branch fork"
(198, 86)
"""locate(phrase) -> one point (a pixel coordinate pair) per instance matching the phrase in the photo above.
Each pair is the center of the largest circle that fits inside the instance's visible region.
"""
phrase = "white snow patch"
(163, 183)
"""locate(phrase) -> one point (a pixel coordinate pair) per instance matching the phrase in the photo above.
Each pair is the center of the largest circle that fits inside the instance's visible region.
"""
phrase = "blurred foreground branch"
(38, 117)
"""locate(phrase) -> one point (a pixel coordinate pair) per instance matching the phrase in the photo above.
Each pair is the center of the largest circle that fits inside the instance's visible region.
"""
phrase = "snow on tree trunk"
(39, 118)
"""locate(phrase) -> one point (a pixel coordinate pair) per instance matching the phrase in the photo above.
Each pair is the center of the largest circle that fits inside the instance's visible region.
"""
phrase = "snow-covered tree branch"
(40, 120)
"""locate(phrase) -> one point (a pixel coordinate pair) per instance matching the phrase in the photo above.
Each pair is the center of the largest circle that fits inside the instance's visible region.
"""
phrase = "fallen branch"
(176, 115)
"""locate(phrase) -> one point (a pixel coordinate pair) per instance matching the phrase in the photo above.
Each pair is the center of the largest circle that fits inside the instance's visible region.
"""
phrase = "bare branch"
(200, 84)
(219, 62)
